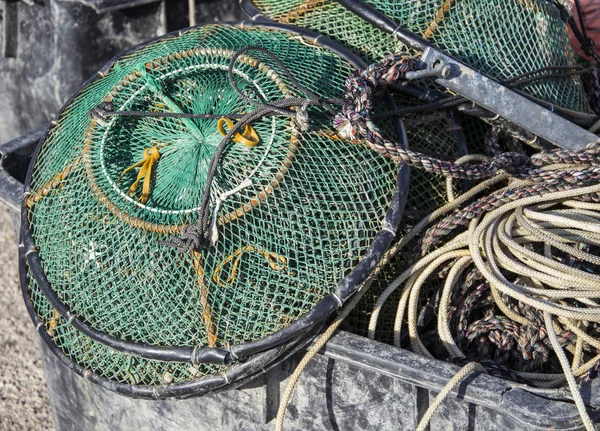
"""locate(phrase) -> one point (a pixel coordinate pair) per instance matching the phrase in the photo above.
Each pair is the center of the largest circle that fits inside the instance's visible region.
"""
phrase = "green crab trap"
(503, 39)
(191, 217)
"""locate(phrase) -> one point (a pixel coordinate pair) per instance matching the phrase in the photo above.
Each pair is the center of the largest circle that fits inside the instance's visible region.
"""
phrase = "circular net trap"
(296, 212)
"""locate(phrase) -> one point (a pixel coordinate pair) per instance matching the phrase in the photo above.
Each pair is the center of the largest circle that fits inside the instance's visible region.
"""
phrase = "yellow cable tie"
(249, 137)
(151, 156)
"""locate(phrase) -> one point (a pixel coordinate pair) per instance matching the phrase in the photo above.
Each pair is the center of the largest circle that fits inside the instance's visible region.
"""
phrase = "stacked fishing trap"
(202, 206)
(119, 274)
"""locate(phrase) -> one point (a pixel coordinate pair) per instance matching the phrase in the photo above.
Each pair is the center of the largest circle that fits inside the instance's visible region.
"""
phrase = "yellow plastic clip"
(151, 156)
(249, 137)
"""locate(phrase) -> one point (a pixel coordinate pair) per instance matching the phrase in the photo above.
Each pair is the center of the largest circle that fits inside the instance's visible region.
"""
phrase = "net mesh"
(501, 38)
(498, 37)
(330, 18)
(431, 132)
(315, 204)
(104, 361)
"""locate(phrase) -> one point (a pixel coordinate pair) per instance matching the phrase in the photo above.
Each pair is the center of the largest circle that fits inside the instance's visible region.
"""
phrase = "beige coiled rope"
(521, 237)
(502, 241)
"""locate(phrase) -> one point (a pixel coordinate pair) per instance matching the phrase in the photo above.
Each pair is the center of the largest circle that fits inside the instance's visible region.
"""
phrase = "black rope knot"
(193, 237)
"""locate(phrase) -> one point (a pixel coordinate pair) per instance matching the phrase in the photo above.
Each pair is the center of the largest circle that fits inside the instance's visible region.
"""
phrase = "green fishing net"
(295, 211)
(101, 360)
(330, 18)
(503, 38)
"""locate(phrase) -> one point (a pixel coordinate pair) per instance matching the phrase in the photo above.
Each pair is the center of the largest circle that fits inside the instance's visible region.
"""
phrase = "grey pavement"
(23, 394)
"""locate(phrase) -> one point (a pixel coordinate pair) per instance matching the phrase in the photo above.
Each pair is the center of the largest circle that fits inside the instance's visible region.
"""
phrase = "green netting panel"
(106, 362)
(332, 19)
(431, 133)
(314, 206)
(503, 38)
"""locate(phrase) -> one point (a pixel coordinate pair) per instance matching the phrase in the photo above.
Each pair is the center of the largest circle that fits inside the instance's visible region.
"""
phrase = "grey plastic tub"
(354, 384)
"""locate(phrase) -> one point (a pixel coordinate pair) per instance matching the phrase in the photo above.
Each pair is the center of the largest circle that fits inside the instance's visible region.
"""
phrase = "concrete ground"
(23, 394)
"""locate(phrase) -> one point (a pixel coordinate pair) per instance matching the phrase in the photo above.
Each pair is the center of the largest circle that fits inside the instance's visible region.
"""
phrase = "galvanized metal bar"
(505, 102)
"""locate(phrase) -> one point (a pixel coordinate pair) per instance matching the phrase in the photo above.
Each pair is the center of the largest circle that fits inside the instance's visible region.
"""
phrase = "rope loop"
(354, 123)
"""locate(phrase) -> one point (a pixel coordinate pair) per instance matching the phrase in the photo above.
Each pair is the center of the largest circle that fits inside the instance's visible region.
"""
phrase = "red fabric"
(591, 13)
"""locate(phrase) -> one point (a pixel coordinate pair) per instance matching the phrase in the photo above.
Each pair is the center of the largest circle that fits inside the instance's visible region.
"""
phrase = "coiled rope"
(496, 243)
(550, 202)
(525, 229)
(504, 241)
